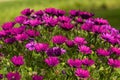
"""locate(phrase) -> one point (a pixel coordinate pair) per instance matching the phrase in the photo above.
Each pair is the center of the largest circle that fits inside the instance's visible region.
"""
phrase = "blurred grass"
(108, 9)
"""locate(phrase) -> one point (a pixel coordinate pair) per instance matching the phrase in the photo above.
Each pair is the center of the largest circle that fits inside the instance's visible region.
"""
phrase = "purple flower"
(86, 26)
(39, 13)
(80, 41)
(21, 37)
(82, 73)
(87, 62)
(60, 12)
(8, 25)
(32, 33)
(1, 76)
(70, 43)
(27, 12)
(55, 51)
(79, 20)
(20, 19)
(19, 30)
(30, 46)
(74, 63)
(114, 63)
(74, 13)
(17, 60)
(37, 77)
(103, 52)
(50, 21)
(85, 49)
(39, 47)
(2, 33)
(59, 39)
(66, 26)
(13, 76)
(51, 11)
(63, 19)
(52, 61)
(35, 22)
(115, 50)
(9, 40)
(86, 15)
(101, 21)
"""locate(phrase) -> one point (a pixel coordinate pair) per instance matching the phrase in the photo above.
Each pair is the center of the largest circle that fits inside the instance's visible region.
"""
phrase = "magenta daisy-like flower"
(70, 43)
(17, 60)
(101, 21)
(21, 37)
(39, 47)
(27, 12)
(87, 62)
(85, 49)
(114, 63)
(52, 61)
(74, 63)
(59, 39)
(103, 52)
(63, 19)
(32, 33)
(13, 76)
(9, 40)
(8, 25)
(82, 73)
(115, 50)
(80, 41)
(37, 77)
(35, 22)
(67, 26)
(86, 15)
(20, 19)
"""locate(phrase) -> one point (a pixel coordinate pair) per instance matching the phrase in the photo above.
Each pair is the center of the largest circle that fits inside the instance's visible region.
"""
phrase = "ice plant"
(41, 47)
(74, 63)
(70, 43)
(81, 73)
(55, 51)
(85, 49)
(58, 39)
(30, 46)
(52, 61)
(17, 60)
(80, 41)
(114, 63)
(13, 76)
(37, 77)
(103, 52)
(1, 76)
(87, 62)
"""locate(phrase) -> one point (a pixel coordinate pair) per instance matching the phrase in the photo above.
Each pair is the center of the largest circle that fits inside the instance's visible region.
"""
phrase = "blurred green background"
(108, 9)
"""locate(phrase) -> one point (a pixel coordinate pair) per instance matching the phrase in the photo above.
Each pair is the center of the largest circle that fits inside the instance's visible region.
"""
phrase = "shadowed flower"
(52, 61)
(66, 26)
(114, 63)
(58, 39)
(87, 62)
(9, 40)
(80, 41)
(55, 51)
(74, 13)
(20, 19)
(39, 13)
(74, 63)
(60, 12)
(70, 43)
(37, 77)
(13, 76)
(39, 47)
(8, 25)
(85, 49)
(86, 15)
(17, 60)
(103, 52)
(79, 20)
(51, 11)
(82, 73)
(1, 76)
(27, 12)
(30, 46)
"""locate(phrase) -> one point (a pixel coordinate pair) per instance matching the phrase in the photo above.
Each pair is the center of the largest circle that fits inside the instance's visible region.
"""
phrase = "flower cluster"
(50, 44)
